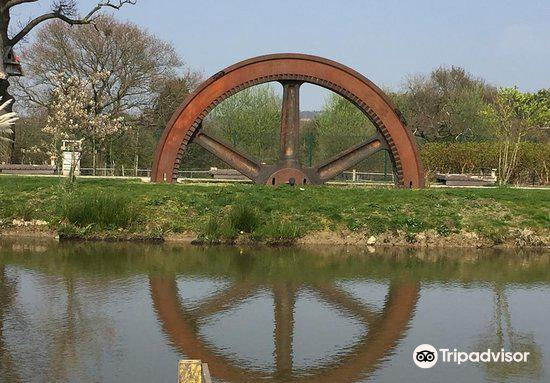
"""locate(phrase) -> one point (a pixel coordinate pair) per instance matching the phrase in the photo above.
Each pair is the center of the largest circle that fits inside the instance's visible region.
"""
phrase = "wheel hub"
(289, 176)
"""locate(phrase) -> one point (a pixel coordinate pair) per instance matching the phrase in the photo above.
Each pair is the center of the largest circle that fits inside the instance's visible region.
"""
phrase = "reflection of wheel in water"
(385, 329)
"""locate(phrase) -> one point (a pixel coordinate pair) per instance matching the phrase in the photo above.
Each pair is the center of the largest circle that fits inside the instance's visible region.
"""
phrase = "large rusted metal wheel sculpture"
(385, 329)
(291, 70)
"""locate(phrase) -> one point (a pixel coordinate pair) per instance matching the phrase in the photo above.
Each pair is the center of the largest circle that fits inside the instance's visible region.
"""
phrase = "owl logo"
(425, 356)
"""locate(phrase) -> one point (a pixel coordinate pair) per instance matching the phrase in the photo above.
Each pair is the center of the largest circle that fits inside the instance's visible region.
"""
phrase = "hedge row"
(532, 167)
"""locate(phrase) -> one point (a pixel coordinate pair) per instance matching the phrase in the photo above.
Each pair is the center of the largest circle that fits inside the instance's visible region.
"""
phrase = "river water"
(111, 312)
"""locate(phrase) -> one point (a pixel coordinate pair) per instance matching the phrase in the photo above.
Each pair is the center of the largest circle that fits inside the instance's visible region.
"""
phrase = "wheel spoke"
(290, 122)
(245, 164)
(224, 300)
(284, 296)
(345, 301)
(349, 157)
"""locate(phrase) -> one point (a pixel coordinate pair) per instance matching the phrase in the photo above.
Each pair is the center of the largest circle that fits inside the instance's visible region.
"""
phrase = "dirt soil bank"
(429, 239)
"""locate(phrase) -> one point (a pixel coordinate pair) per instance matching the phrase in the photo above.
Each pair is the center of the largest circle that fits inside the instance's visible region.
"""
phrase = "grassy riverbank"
(118, 209)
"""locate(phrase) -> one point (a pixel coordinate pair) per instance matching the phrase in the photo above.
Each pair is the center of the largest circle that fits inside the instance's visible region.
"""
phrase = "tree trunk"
(4, 79)
(94, 156)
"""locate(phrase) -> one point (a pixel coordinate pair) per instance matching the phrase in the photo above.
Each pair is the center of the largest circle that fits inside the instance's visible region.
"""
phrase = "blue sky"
(505, 42)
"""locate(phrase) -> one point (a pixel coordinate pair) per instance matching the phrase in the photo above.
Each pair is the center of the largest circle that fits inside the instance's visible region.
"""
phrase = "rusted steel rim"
(291, 70)
(385, 329)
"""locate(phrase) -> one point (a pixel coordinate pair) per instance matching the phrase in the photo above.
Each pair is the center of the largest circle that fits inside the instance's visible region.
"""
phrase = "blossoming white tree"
(74, 114)
(13, 31)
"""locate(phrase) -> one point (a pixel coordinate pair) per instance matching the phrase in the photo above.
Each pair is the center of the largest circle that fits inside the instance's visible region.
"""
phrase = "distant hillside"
(307, 115)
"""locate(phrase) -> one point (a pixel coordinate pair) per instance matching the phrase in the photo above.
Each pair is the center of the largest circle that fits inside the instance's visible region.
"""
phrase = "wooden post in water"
(193, 371)
(206, 374)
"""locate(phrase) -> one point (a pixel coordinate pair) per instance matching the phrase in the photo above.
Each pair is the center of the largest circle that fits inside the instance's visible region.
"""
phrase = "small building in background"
(72, 151)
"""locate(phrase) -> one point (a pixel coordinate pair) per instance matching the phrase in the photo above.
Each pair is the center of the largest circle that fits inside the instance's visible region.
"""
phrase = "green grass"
(98, 208)
(214, 212)
(240, 219)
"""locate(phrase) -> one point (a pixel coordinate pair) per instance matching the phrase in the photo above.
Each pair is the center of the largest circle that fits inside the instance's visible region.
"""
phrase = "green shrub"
(217, 228)
(243, 218)
(239, 219)
(100, 209)
(278, 228)
(70, 231)
(211, 228)
(533, 161)
(25, 211)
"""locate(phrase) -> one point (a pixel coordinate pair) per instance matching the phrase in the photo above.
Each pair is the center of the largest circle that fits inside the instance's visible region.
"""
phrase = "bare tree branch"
(64, 10)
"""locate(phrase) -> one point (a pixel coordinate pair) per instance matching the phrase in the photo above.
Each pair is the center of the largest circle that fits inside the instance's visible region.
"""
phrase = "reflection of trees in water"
(71, 341)
(8, 287)
(299, 264)
(79, 331)
(501, 335)
(385, 328)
